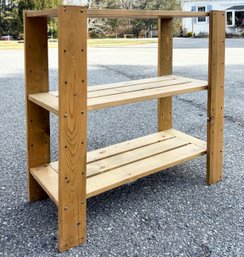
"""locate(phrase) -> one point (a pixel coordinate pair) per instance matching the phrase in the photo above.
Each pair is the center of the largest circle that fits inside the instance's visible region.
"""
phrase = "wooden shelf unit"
(79, 174)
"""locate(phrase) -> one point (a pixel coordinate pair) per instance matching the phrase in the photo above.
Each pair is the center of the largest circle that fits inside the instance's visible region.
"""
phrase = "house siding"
(193, 25)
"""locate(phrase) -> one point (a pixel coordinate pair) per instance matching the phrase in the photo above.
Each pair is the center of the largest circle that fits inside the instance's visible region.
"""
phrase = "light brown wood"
(165, 67)
(126, 94)
(128, 161)
(106, 13)
(37, 118)
(216, 96)
(133, 171)
(79, 175)
(72, 126)
(47, 178)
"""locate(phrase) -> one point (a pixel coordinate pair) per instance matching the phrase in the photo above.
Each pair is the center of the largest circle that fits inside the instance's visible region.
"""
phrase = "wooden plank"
(140, 87)
(187, 138)
(50, 101)
(131, 156)
(131, 172)
(112, 150)
(108, 13)
(37, 118)
(72, 126)
(165, 67)
(216, 96)
(131, 83)
(47, 178)
(134, 85)
(132, 97)
(46, 101)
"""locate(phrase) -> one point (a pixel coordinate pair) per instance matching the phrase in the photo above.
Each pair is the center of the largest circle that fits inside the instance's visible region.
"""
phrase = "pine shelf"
(78, 174)
(113, 166)
(110, 95)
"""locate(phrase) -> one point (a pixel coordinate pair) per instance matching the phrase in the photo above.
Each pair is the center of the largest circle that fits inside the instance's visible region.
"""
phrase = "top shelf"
(116, 13)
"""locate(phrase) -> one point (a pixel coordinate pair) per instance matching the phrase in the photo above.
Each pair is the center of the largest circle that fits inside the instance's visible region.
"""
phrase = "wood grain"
(143, 14)
(165, 67)
(72, 126)
(216, 97)
(125, 162)
(126, 94)
(36, 81)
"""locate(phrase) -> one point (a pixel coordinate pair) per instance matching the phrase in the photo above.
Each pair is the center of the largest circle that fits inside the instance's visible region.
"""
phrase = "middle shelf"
(109, 95)
(115, 165)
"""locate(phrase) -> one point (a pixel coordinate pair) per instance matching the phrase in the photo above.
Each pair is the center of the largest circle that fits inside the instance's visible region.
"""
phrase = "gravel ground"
(172, 213)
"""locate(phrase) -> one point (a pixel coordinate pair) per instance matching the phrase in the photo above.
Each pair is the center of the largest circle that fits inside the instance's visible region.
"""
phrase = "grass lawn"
(10, 45)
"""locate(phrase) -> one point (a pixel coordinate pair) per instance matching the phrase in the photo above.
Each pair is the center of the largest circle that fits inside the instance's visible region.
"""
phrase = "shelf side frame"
(72, 56)
(215, 124)
(165, 67)
(36, 81)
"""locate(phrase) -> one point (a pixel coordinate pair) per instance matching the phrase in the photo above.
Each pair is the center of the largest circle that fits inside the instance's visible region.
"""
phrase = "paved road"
(172, 213)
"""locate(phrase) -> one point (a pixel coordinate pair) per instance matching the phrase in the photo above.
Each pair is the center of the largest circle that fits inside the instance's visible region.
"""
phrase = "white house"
(234, 15)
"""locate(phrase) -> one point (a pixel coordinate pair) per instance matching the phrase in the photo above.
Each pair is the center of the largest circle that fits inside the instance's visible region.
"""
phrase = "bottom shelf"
(113, 166)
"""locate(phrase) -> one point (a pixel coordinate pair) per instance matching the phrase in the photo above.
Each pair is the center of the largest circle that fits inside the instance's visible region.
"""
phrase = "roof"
(236, 7)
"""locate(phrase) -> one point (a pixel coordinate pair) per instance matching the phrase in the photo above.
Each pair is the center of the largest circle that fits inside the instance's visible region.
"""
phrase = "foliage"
(11, 16)
(189, 34)
(138, 27)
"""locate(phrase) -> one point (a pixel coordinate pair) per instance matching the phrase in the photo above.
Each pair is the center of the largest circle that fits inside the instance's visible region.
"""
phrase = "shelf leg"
(215, 125)
(72, 126)
(165, 48)
(37, 119)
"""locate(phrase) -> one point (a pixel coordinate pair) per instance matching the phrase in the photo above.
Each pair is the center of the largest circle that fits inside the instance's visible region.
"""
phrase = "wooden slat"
(127, 161)
(46, 101)
(131, 83)
(131, 172)
(134, 85)
(126, 158)
(187, 138)
(216, 96)
(132, 97)
(120, 148)
(128, 89)
(165, 67)
(124, 94)
(108, 13)
(72, 126)
(37, 119)
(47, 177)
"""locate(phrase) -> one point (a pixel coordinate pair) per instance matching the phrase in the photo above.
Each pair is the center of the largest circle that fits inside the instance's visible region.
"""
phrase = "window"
(239, 18)
(201, 9)
(229, 18)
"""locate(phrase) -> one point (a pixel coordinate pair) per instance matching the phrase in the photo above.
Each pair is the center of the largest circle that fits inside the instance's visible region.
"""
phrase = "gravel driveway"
(172, 213)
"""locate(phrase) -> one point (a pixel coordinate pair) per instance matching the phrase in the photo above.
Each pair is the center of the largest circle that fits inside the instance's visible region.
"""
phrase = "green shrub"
(189, 34)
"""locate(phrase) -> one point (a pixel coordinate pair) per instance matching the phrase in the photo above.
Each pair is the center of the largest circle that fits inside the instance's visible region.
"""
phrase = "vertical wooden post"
(215, 96)
(36, 80)
(72, 125)
(165, 48)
